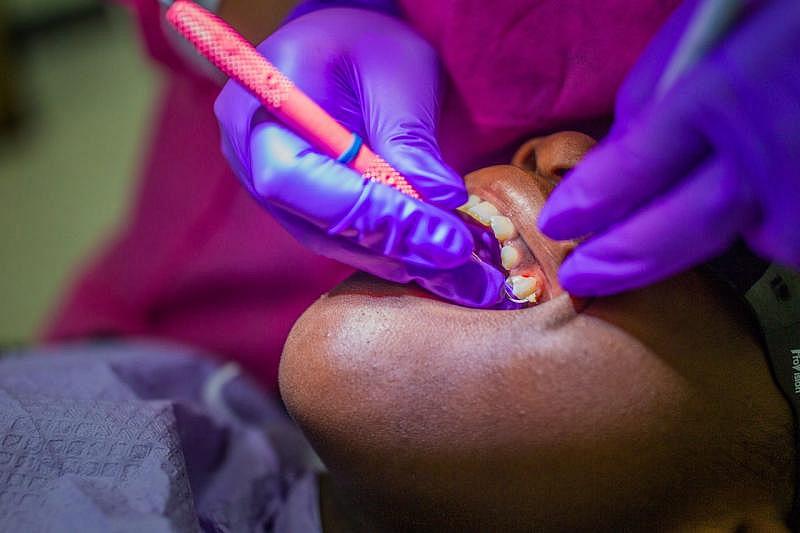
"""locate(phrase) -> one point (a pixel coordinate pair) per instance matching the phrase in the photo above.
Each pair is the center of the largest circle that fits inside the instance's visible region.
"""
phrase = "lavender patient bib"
(144, 437)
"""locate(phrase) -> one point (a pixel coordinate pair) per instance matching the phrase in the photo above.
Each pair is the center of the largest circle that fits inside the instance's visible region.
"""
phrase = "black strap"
(773, 294)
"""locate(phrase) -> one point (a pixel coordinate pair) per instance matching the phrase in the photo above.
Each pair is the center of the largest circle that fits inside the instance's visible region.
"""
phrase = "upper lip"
(520, 196)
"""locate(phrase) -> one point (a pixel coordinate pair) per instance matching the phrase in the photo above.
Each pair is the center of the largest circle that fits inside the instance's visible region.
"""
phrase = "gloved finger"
(234, 109)
(400, 124)
(288, 174)
(418, 159)
(691, 223)
(640, 83)
(394, 225)
(474, 284)
(779, 242)
(656, 150)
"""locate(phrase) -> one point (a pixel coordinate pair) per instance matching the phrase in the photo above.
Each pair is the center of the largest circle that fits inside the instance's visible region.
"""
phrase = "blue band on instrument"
(351, 153)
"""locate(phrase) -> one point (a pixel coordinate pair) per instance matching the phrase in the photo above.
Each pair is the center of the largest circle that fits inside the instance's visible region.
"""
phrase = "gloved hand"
(678, 179)
(381, 80)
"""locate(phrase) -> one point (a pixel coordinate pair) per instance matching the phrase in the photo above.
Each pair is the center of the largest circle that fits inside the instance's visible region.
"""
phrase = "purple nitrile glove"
(680, 178)
(380, 80)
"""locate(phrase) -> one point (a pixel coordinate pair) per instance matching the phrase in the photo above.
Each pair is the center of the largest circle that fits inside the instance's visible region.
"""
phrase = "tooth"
(509, 256)
(472, 201)
(524, 287)
(483, 212)
(503, 228)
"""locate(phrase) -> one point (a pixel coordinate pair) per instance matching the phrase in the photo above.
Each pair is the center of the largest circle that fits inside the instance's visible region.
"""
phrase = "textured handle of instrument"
(230, 52)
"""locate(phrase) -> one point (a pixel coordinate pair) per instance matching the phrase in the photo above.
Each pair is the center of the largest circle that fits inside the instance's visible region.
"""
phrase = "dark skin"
(649, 410)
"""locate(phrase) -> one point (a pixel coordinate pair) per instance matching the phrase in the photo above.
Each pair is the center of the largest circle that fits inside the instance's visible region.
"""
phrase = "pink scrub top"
(197, 261)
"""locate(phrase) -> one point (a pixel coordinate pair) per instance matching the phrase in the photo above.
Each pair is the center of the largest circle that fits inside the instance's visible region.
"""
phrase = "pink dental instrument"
(233, 55)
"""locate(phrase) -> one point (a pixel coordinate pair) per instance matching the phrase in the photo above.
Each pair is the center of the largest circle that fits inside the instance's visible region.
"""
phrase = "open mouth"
(504, 203)
(504, 200)
(507, 199)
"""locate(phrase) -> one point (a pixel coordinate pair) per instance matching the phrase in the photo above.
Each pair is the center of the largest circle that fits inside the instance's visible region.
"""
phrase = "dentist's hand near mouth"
(681, 177)
(381, 80)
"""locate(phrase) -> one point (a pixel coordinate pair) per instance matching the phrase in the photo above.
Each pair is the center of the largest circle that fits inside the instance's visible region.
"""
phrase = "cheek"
(516, 417)
(580, 382)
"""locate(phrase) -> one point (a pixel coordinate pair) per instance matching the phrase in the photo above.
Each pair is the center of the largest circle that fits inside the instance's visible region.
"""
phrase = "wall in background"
(67, 175)
(29, 9)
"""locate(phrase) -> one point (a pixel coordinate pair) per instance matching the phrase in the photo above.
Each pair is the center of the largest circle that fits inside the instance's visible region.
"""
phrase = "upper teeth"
(483, 212)
(472, 201)
(503, 228)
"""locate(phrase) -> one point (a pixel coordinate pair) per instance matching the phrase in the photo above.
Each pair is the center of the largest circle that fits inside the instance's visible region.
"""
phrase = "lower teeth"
(509, 256)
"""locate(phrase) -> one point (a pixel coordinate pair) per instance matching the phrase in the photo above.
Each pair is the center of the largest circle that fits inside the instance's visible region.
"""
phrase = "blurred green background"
(75, 98)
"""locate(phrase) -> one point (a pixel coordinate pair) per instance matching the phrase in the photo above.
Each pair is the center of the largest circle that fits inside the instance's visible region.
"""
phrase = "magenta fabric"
(198, 261)
(523, 67)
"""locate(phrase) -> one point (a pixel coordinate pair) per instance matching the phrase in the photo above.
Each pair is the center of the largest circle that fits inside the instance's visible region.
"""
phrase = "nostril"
(532, 162)
(559, 153)
(560, 171)
(553, 176)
